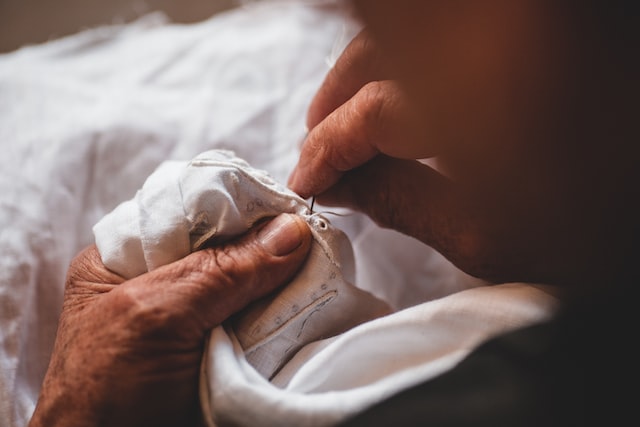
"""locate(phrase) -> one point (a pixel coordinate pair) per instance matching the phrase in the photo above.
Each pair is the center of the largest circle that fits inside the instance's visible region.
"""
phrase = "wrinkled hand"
(128, 353)
(360, 153)
(357, 114)
(480, 207)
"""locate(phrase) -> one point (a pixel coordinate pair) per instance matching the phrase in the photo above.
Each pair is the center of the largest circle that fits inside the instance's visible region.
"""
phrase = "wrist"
(62, 405)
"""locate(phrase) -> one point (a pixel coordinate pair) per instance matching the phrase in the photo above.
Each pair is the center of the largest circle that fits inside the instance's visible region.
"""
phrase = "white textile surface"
(184, 206)
(85, 120)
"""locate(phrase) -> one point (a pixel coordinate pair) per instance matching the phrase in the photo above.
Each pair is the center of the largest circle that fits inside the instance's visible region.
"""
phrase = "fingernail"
(281, 236)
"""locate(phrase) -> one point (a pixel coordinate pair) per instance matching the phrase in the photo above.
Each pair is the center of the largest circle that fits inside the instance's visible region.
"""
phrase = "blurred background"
(25, 22)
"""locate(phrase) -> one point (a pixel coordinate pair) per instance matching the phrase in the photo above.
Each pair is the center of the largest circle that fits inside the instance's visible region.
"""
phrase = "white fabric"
(185, 203)
(216, 196)
(330, 380)
(85, 120)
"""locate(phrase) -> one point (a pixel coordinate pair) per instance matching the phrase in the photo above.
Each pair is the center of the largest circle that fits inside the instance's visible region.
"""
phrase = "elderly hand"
(485, 203)
(128, 353)
(360, 153)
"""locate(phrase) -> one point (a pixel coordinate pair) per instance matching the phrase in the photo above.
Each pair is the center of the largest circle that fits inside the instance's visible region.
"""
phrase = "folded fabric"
(214, 197)
(319, 302)
(330, 380)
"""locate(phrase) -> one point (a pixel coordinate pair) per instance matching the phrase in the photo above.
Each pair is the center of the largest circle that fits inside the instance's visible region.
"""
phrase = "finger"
(404, 195)
(212, 284)
(414, 199)
(375, 120)
(473, 230)
(359, 64)
(87, 275)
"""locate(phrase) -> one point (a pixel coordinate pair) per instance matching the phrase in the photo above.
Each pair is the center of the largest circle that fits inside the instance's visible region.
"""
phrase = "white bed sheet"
(85, 119)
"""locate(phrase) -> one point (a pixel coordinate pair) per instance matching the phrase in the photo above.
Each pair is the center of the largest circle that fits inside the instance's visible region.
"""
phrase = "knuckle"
(375, 104)
(146, 313)
(362, 122)
(140, 311)
(372, 101)
(339, 158)
(226, 266)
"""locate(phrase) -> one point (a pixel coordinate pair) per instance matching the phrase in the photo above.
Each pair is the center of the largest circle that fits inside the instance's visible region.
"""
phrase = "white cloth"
(330, 380)
(216, 196)
(84, 121)
(183, 204)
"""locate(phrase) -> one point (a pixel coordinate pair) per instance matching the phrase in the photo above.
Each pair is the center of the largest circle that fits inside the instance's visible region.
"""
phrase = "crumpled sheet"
(84, 120)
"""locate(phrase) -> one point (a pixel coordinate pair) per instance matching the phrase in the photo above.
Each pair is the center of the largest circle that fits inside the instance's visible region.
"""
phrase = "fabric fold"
(215, 197)
(320, 348)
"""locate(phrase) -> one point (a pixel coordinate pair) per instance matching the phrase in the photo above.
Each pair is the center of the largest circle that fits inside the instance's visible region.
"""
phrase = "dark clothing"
(576, 370)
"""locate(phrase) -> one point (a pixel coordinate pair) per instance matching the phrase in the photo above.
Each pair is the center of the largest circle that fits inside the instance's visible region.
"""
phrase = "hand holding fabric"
(129, 352)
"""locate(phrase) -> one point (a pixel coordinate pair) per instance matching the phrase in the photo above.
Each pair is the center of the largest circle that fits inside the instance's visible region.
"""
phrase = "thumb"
(214, 283)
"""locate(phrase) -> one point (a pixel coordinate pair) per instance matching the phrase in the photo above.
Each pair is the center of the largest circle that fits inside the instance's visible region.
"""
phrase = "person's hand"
(485, 207)
(358, 113)
(128, 353)
(360, 153)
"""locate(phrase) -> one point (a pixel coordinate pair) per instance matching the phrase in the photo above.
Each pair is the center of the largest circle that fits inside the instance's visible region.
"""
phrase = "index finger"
(377, 119)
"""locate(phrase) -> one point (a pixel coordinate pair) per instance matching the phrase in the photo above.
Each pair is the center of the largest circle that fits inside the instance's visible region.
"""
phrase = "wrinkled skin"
(529, 118)
(128, 352)
(501, 96)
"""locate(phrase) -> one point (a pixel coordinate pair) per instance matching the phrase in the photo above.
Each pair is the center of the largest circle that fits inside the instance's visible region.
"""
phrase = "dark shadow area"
(24, 22)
